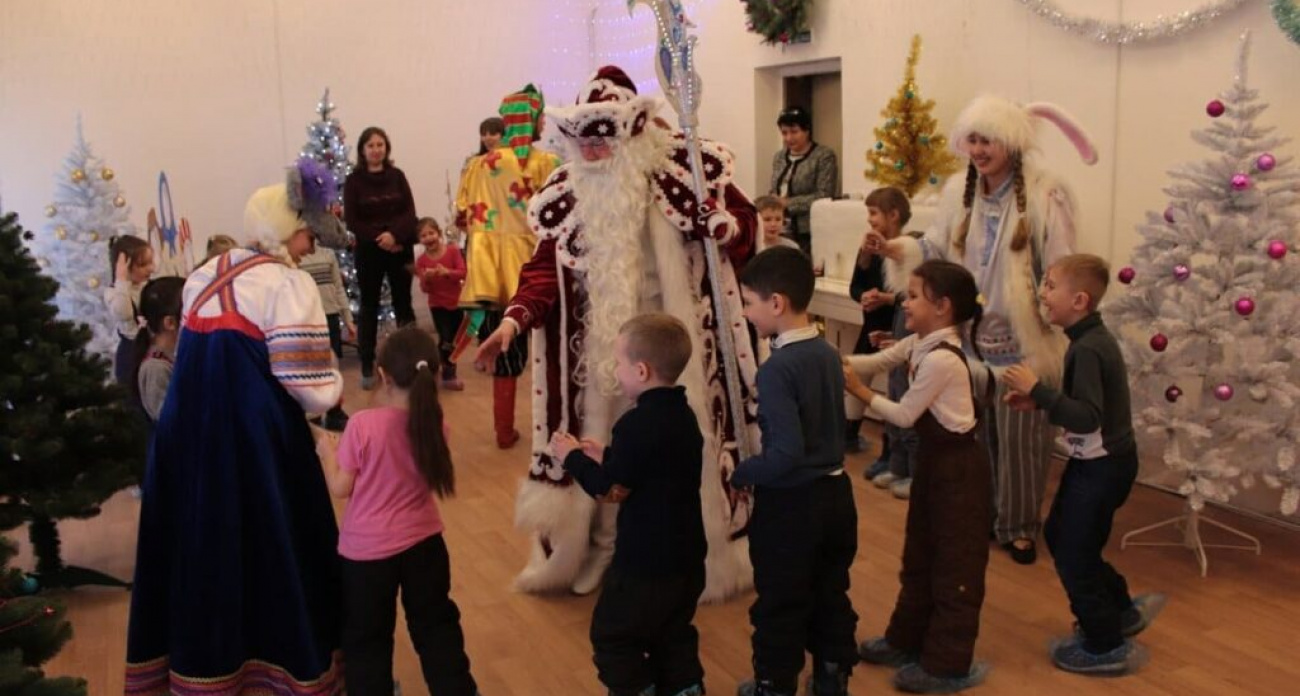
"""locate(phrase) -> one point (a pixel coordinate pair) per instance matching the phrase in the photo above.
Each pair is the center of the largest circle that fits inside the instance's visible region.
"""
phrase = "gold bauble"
(61, 232)
(94, 236)
(93, 283)
(78, 175)
(119, 201)
(106, 174)
(51, 211)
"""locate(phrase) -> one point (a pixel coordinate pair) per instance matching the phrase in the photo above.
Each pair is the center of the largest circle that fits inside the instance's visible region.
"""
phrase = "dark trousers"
(335, 325)
(1077, 530)
(642, 633)
(802, 541)
(945, 552)
(446, 322)
(370, 617)
(374, 265)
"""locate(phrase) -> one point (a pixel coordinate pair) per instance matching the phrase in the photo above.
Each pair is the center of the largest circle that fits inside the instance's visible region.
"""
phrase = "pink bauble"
(1159, 342)
(1276, 249)
(1240, 182)
(1127, 274)
(1169, 215)
(1182, 272)
(1172, 394)
(1244, 306)
(1265, 162)
(1215, 108)
(1223, 392)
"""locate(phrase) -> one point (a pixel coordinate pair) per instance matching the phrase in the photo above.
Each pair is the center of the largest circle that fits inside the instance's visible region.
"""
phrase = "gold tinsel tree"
(909, 153)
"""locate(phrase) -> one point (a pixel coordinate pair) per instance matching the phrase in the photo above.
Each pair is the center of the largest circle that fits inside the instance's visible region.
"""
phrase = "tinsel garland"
(1162, 27)
(1287, 14)
(778, 21)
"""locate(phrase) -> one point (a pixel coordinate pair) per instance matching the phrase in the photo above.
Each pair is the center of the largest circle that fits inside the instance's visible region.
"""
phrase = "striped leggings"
(1020, 447)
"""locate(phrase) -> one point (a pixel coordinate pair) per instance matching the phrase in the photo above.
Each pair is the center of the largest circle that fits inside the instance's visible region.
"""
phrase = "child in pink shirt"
(441, 270)
(390, 461)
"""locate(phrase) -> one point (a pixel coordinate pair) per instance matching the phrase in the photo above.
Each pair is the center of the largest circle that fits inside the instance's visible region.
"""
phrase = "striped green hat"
(520, 111)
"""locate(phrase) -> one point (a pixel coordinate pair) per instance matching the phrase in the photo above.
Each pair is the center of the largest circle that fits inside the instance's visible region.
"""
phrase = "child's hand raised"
(1020, 379)
(562, 444)
(121, 269)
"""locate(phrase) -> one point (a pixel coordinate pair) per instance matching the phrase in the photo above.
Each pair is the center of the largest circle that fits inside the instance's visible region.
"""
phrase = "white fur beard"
(612, 200)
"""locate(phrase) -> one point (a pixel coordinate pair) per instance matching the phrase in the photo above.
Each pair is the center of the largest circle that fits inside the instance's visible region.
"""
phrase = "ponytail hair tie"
(422, 365)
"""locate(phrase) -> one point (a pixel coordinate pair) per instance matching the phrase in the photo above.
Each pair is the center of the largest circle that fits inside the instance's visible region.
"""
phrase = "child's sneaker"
(902, 488)
(885, 479)
(1137, 618)
(878, 651)
(914, 680)
(828, 679)
(1146, 607)
(1069, 654)
(453, 384)
(877, 468)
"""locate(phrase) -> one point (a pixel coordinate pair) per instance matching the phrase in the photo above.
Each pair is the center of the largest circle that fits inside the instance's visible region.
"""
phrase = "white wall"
(1139, 103)
(219, 94)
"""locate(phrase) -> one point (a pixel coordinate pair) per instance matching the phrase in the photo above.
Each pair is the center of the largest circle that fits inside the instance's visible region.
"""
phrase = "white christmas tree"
(1211, 314)
(87, 213)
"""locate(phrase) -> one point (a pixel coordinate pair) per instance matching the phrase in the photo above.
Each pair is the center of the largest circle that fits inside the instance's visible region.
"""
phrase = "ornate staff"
(675, 65)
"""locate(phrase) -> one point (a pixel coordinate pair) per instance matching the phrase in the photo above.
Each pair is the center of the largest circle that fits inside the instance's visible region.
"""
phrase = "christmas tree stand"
(1189, 524)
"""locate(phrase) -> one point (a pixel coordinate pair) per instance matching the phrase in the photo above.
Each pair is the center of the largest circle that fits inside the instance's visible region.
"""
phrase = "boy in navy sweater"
(803, 533)
(641, 630)
(1093, 409)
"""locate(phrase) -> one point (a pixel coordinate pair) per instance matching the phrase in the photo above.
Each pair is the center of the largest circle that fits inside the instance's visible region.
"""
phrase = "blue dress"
(237, 578)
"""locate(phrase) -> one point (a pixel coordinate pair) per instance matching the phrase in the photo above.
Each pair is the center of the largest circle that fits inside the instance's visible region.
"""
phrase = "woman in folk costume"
(1006, 223)
(237, 577)
(620, 234)
(492, 206)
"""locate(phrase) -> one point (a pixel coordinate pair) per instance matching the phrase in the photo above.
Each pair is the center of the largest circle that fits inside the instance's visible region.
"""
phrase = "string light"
(603, 32)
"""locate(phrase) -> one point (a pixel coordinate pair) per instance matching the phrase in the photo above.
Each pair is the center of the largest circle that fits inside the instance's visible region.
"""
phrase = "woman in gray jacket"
(802, 172)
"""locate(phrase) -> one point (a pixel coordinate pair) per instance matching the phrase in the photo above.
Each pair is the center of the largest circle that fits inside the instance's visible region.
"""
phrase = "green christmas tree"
(32, 630)
(909, 152)
(68, 439)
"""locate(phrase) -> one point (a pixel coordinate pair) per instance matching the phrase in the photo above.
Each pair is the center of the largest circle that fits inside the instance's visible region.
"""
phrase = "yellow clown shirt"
(494, 192)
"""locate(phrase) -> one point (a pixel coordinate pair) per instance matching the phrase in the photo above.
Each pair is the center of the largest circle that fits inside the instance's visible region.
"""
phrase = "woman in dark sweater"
(380, 210)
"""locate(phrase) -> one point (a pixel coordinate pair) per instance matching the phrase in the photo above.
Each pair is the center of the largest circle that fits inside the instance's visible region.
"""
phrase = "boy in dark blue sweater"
(803, 533)
(641, 630)
(1093, 408)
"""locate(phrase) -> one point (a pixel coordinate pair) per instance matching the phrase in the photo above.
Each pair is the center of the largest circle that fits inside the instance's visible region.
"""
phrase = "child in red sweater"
(441, 270)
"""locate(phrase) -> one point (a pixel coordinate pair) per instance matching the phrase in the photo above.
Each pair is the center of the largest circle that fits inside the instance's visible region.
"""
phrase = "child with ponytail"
(155, 343)
(388, 462)
(931, 634)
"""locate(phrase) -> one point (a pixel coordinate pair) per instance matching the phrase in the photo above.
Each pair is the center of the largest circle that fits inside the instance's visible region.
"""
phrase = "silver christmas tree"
(327, 144)
(1211, 317)
(87, 213)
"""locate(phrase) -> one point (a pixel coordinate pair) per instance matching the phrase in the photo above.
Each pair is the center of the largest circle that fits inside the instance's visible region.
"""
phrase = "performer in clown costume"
(492, 207)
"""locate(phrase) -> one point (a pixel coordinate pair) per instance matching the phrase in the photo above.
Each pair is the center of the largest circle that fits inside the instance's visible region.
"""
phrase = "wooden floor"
(1234, 632)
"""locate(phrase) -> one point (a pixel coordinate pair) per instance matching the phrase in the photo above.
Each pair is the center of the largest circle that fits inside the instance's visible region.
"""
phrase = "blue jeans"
(1077, 530)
